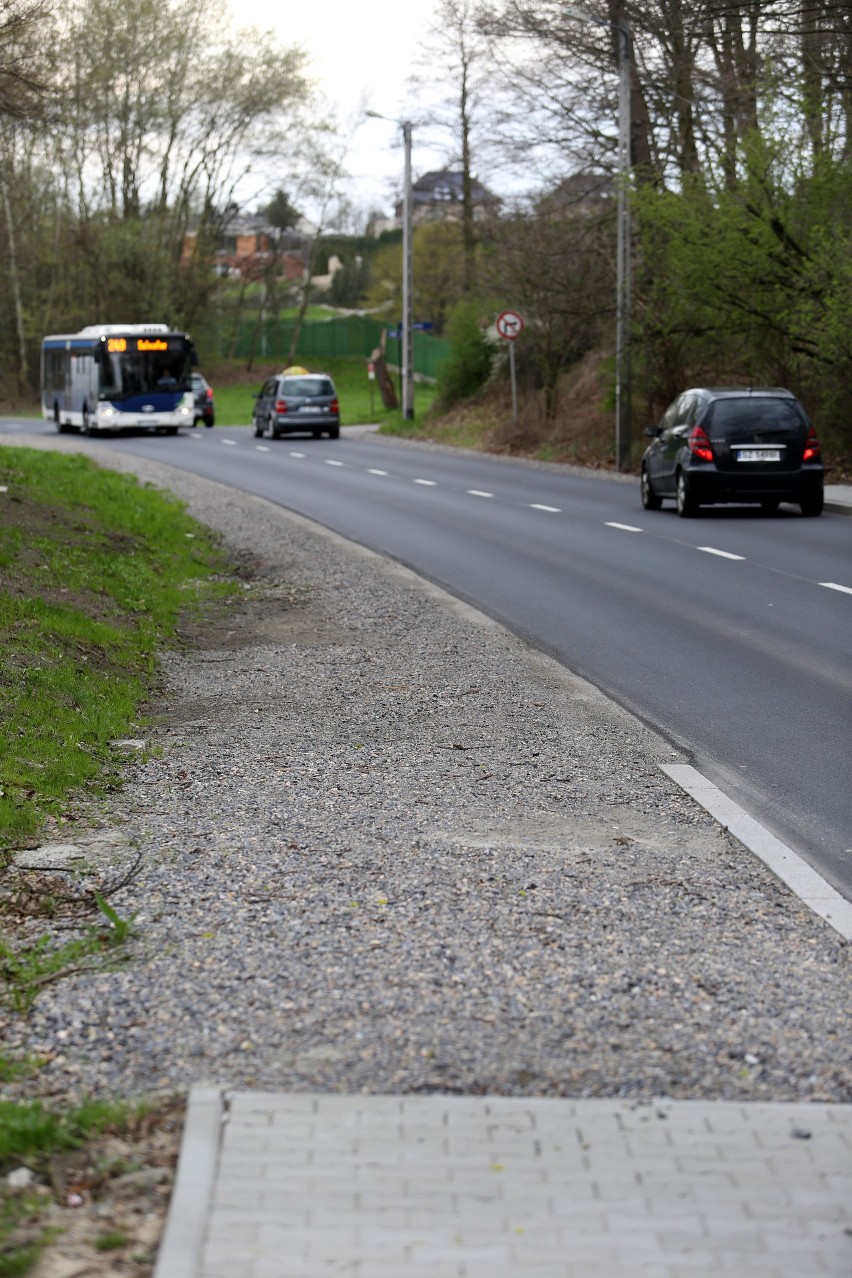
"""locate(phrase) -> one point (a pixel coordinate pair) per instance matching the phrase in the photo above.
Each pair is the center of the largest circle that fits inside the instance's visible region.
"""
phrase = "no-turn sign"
(510, 325)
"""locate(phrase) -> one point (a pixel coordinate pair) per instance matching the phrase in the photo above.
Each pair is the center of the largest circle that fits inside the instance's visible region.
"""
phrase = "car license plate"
(312, 408)
(758, 454)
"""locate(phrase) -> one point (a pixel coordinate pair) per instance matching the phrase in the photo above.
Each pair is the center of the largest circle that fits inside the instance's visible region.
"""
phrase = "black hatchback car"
(297, 402)
(737, 445)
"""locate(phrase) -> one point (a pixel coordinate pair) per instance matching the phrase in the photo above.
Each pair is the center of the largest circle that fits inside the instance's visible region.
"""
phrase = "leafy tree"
(469, 365)
(438, 268)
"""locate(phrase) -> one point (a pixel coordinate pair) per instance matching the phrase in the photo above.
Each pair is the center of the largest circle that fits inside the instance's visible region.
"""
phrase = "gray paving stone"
(472, 1187)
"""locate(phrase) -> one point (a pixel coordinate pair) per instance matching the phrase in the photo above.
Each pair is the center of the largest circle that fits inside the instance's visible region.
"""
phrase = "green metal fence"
(356, 336)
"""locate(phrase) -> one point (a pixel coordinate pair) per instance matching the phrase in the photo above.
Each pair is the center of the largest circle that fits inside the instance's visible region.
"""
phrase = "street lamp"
(623, 307)
(407, 359)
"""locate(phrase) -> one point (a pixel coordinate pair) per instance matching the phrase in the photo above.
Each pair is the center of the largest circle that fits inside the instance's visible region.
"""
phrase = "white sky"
(359, 51)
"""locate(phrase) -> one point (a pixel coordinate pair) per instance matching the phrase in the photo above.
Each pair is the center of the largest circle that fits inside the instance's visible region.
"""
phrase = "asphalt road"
(727, 633)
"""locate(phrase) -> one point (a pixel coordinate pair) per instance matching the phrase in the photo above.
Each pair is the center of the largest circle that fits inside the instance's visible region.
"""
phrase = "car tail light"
(699, 445)
(209, 393)
(334, 407)
(811, 446)
(281, 406)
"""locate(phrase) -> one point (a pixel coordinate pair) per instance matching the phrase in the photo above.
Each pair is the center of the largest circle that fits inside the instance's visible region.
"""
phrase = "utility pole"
(407, 283)
(407, 333)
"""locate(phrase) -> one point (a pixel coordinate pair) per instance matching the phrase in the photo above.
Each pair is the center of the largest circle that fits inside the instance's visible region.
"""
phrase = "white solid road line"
(427, 483)
(476, 492)
(832, 585)
(552, 510)
(624, 527)
(809, 887)
(723, 554)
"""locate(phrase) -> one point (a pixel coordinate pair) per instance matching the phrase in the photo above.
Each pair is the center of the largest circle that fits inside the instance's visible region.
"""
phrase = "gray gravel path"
(388, 848)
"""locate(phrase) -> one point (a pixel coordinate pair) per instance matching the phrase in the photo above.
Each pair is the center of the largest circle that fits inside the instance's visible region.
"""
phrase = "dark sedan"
(737, 445)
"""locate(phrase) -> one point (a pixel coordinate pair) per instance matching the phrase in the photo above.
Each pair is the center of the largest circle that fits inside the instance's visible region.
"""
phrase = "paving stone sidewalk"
(289, 1185)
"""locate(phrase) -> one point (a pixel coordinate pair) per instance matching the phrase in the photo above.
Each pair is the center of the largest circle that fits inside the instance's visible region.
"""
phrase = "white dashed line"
(551, 510)
(723, 554)
(297, 454)
(832, 585)
(261, 448)
(232, 443)
(624, 527)
(476, 492)
(377, 472)
(427, 483)
(330, 462)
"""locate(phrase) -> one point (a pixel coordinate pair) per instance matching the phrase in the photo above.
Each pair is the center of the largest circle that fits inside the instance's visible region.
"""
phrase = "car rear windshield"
(729, 417)
(306, 386)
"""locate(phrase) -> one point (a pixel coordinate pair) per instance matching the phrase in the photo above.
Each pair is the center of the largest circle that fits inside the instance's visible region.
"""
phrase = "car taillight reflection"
(699, 445)
(811, 446)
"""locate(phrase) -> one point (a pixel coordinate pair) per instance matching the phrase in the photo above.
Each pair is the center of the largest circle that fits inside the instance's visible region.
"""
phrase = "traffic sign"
(509, 325)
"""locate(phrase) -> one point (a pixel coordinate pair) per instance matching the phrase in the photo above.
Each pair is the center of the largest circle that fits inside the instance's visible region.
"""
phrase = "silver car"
(291, 402)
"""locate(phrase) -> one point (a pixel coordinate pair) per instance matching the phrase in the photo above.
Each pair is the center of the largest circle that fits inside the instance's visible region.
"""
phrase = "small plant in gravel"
(27, 967)
(112, 1241)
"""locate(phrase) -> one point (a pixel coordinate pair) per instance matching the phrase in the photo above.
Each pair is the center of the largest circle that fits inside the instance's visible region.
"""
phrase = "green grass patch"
(30, 1135)
(30, 1132)
(96, 571)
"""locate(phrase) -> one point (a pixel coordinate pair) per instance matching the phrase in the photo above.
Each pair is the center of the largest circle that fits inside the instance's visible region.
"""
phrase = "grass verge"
(95, 572)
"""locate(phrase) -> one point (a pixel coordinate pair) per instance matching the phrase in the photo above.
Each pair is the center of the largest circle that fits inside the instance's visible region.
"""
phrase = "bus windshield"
(131, 371)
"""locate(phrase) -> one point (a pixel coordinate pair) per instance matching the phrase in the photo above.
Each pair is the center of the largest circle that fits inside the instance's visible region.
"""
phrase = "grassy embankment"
(96, 572)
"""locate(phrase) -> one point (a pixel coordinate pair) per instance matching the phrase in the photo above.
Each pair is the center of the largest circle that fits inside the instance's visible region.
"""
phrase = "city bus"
(113, 377)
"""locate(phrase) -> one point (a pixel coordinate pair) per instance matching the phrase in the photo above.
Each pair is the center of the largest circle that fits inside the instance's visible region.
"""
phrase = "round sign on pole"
(509, 325)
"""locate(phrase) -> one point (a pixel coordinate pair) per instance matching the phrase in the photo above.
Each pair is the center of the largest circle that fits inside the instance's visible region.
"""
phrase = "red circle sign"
(510, 325)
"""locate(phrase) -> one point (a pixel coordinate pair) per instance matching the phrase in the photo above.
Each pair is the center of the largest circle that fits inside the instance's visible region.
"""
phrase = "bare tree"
(456, 57)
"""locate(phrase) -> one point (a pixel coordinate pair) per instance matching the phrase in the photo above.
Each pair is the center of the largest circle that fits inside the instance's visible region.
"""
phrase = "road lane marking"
(377, 472)
(427, 483)
(723, 554)
(231, 442)
(476, 492)
(330, 462)
(553, 510)
(297, 454)
(789, 867)
(625, 527)
(832, 585)
(261, 448)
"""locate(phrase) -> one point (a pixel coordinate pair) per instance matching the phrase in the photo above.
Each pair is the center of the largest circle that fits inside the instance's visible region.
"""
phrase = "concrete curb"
(180, 1249)
(809, 886)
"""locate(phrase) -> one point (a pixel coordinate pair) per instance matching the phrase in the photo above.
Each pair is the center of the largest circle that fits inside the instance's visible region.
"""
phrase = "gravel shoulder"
(386, 847)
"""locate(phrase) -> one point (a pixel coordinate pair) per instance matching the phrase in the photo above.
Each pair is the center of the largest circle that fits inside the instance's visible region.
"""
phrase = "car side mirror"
(653, 432)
